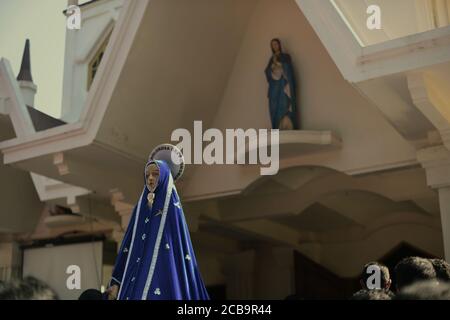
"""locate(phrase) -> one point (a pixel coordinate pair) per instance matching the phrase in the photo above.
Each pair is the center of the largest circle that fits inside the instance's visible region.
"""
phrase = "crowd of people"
(30, 288)
(415, 278)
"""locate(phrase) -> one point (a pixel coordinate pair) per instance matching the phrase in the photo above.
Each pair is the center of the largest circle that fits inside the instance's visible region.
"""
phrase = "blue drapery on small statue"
(156, 260)
(282, 89)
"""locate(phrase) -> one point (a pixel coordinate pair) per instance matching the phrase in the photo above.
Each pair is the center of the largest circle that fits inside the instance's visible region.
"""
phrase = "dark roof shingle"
(42, 121)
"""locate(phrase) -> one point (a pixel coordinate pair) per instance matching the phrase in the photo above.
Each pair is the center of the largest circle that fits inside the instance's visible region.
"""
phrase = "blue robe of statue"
(156, 260)
(282, 93)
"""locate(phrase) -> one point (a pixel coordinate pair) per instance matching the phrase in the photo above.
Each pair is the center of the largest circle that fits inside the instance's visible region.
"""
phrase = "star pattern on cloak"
(147, 220)
(167, 246)
(188, 257)
(157, 291)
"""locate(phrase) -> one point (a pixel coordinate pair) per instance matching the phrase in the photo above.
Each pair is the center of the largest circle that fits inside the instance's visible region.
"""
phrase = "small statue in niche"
(282, 91)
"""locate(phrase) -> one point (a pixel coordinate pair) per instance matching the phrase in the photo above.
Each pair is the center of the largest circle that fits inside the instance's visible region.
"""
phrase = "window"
(95, 62)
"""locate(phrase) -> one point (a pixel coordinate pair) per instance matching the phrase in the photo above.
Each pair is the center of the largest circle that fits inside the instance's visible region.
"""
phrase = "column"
(239, 270)
(10, 260)
(441, 13)
(275, 273)
(436, 161)
(444, 204)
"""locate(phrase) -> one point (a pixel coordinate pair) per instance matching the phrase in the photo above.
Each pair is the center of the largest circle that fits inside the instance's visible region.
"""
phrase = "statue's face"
(275, 46)
(152, 176)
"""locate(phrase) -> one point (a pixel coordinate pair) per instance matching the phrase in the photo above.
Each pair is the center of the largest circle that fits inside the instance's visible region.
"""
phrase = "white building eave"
(83, 132)
(12, 101)
(39, 151)
(404, 54)
(44, 152)
(358, 63)
(380, 72)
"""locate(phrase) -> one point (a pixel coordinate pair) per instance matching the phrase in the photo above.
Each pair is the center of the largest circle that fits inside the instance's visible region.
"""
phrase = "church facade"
(365, 177)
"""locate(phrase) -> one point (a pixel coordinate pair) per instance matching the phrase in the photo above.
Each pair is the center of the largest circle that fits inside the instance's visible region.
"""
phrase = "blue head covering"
(156, 260)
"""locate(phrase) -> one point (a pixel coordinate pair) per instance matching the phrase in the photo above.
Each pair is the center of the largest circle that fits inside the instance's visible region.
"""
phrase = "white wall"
(49, 264)
(20, 206)
(98, 20)
(415, 15)
(326, 101)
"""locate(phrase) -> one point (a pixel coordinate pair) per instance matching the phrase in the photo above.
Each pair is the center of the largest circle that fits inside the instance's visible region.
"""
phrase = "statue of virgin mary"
(282, 89)
(156, 260)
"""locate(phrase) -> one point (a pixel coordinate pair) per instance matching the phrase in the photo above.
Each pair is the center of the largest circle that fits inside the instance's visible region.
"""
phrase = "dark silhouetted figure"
(412, 269)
